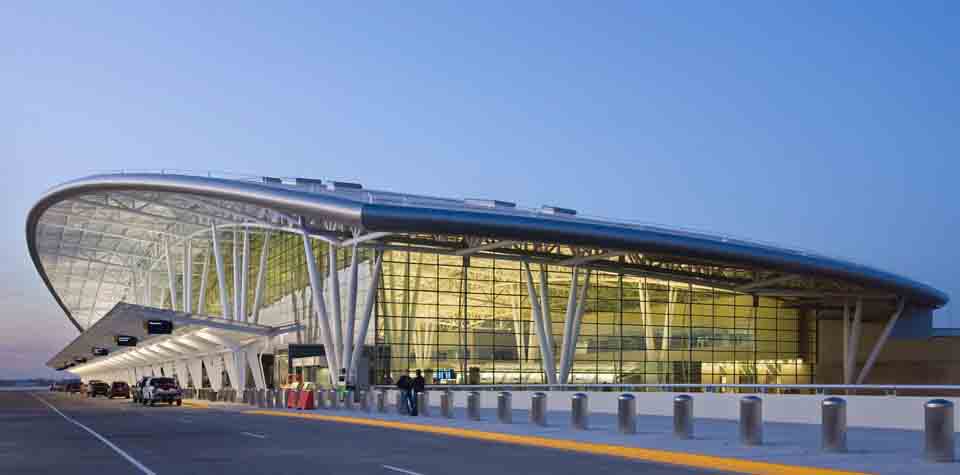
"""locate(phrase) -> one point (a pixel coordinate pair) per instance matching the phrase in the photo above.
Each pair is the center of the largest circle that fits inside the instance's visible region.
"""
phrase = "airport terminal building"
(264, 278)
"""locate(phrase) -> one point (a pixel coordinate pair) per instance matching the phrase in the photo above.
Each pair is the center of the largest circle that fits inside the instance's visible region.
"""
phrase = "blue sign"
(445, 374)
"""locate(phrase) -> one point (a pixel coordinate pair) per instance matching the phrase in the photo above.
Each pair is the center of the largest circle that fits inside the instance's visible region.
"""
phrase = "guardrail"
(847, 389)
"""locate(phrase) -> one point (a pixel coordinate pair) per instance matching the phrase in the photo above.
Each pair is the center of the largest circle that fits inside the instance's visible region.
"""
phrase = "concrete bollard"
(382, 400)
(423, 404)
(366, 400)
(627, 414)
(473, 406)
(446, 404)
(683, 417)
(317, 395)
(579, 412)
(348, 397)
(333, 402)
(751, 420)
(261, 399)
(538, 409)
(833, 425)
(938, 431)
(505, 407)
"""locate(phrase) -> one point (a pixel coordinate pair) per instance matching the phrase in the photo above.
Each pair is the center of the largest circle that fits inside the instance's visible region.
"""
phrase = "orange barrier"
(306, 400)
(292, 399)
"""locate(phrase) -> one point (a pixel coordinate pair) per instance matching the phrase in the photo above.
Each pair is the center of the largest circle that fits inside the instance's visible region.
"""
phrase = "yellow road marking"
(198, 404)
(660, 456)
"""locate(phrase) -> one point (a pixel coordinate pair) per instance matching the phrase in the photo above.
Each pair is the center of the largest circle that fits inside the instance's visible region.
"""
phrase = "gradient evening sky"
(833, 126)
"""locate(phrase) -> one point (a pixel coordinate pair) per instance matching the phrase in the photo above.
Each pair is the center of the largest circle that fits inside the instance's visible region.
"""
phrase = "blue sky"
(833, 126)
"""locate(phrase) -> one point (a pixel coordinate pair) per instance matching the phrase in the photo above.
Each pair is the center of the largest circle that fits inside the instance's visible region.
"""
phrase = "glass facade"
(469, 320)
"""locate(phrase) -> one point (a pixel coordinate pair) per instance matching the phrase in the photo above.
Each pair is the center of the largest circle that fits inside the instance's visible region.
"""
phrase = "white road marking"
(101, 438)
(398, 469)
(259, 436)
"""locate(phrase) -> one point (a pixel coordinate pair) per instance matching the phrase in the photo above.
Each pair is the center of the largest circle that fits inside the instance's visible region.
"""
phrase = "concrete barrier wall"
(885, 412)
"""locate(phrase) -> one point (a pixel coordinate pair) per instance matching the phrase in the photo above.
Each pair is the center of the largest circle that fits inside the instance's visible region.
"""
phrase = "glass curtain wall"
(469, 321)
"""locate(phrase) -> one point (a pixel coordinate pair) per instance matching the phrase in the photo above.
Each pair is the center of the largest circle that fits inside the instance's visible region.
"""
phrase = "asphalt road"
(124, 438)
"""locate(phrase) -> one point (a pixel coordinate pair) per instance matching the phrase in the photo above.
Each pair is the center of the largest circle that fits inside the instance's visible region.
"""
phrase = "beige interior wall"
(931, 361)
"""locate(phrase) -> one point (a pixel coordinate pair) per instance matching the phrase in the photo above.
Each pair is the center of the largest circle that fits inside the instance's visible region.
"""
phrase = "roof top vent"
(490, 204)
(308, 182)
(556, 210)
(271, 180)
(343, 185)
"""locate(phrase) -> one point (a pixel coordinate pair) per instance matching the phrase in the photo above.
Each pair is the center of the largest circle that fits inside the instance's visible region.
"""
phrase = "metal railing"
(847, 389)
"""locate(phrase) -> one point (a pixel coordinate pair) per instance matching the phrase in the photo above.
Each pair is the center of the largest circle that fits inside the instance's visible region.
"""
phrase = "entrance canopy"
(193, 335)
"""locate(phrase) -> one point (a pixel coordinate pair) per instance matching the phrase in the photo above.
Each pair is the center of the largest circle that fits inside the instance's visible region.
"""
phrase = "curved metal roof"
(122, 208)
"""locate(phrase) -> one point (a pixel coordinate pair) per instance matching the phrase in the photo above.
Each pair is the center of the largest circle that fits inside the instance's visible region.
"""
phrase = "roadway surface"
(119, 437)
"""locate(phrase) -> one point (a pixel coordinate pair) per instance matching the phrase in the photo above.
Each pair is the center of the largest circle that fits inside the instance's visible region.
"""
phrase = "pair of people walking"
(409, 388)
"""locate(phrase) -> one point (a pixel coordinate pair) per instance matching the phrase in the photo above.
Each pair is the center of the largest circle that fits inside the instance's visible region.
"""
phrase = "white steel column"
(881, 341)
(201, 299)
(188, 276)
(195, 367)
(244, 272)
(367, 314)
(316, 288)
(568, 324)
(539, 325)
(575, 327)
(234, 360)
(221, 278)
(335, 299)
(148, 291)
(214, 365)
(854, 341)
(171, 276)
(182, 371)
(252, 354)
(261, 277)
(351, 311)
(236, 275)
(545, 307)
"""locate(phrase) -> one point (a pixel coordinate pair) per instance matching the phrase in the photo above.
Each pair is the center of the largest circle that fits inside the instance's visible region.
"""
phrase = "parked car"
(137, 389)
(161, 389)
(119, 389)
(97, 388)
(73, 387)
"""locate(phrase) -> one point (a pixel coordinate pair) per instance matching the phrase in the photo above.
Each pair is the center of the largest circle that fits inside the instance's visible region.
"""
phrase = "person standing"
(405, 384)
(419, 386)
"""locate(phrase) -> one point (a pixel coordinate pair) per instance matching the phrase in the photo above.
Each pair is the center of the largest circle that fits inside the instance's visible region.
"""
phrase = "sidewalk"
(882, 451)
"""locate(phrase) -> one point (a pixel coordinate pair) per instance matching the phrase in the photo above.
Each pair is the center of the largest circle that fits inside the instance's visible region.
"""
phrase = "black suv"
(98, 388)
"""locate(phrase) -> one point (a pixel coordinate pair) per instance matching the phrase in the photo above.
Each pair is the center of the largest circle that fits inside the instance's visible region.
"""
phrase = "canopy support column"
(221, 277)
(854, 342)
(244, 272)
(187, 276)
(316, 287)
(367, 314)
(171, 276)
(878, 346)
(335, 299)
(539, 326)
(261, 277)
(351, 312)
